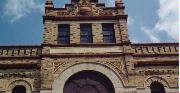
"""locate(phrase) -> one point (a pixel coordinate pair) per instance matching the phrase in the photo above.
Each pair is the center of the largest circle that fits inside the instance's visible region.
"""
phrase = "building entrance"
(88, 82)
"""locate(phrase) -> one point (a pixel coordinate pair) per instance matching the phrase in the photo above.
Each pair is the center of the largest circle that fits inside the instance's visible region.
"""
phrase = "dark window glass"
(93, 0)
(157, 87)
(19, 89)
(74, 0)
(64, 34)
(108, 33)
(86, 33)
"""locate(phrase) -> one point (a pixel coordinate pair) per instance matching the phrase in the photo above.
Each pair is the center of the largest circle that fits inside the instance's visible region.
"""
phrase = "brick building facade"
(86, 49)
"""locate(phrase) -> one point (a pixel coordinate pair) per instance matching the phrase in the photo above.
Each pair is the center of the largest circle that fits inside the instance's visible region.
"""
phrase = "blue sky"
(149, 20)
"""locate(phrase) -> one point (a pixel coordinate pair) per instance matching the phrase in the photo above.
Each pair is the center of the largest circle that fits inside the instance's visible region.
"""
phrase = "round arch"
(88, 82)
(23, 83)
(150, 80)
(59, 82)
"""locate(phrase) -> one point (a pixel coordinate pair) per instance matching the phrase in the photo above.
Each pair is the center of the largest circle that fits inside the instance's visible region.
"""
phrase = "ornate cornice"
(154, 44)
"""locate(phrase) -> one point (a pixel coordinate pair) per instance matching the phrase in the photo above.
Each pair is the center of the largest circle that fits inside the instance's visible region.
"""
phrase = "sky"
(149, 21)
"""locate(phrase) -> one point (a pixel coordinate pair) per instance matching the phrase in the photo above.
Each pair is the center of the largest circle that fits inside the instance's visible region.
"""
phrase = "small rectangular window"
(108, 33)
(86, 33)
(64, 34)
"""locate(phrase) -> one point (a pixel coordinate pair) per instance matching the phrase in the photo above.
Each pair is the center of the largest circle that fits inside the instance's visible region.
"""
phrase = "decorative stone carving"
(157, 72)
(155, 49)
(117, 61)
(107, 12)
(72, 10)
(84, 2)
(17, 52)
(19, 75)
(117, 65)
(155, 79)
(84, 10)
(62, 13)
(20, 82)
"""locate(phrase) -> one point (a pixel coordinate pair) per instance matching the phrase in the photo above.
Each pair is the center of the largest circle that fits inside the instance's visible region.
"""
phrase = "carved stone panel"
(19, 75)
(18, 52)
(115, 64)
(173, 49)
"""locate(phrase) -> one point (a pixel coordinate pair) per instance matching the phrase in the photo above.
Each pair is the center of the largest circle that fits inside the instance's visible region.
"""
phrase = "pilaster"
(117, 33)
(50, 33)
(124, 30)
(74, 33)
(46, 74)
(97, 33)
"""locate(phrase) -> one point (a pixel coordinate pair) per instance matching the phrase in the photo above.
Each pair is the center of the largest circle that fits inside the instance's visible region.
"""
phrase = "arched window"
(157, 87)
(19, 89)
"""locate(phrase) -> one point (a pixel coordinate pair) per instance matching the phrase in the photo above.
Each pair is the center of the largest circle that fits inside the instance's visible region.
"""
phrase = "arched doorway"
(157, 87)
(19, 89)
(88, 82)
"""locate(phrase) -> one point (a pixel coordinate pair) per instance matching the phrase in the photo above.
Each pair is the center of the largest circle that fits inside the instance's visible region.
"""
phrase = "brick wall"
(51, 32)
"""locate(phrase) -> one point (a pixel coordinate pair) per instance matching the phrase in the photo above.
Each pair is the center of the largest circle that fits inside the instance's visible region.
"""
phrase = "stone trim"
(13, 58)
(19, 82)
(84, 55)
(153, 44)
(59, 82)
(152, 79)
(84, 45)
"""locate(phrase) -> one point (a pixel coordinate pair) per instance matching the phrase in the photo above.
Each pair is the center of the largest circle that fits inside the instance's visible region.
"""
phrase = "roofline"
(154, 44)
